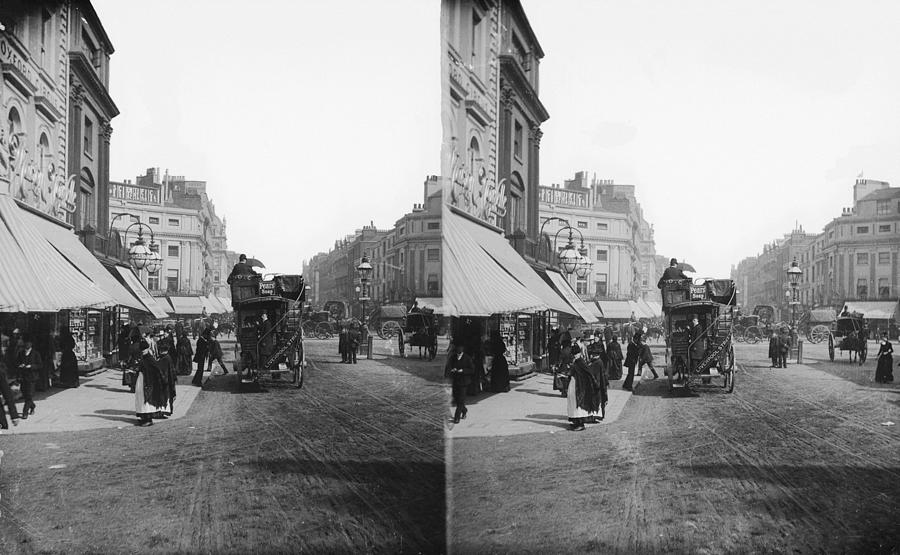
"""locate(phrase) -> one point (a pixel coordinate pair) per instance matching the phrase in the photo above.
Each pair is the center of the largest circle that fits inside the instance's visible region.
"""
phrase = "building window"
(86, 202)
(433, 285)
(477, 43)
(434, 225)
(582, 225)
(216, 277)
(882, 207)
(434, 255)
(401, 230)
(172, 281)
(830, 234)
(884, 228)
(862, 288)
(46, 34)
(581, 286)
(862, 229)
(602, 255)
(884, 290)
(601, 286)
(173, 250)
(862, 258)
(174, 222)
(43, 152)
(153, 283)
(154, 220)
(517, 140)
(88, 137)
(602, 226)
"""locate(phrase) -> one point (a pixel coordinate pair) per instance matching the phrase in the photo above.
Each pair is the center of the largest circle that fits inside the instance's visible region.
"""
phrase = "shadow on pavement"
(552, 420)
(539, 392)
(133, 420)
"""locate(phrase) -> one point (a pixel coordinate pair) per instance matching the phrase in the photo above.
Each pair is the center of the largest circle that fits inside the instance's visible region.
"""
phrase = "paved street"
(795, 460)
(354, 461)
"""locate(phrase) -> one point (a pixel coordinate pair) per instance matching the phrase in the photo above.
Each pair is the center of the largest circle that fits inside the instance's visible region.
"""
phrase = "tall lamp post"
(572, 260)
(140, 255)
(365, 271)
(794, 273)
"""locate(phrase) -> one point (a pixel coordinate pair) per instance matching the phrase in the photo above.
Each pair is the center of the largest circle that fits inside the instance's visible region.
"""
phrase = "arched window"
(474, 153)
(516, 209)
(43, 151)
(87, 200)
(14, 123)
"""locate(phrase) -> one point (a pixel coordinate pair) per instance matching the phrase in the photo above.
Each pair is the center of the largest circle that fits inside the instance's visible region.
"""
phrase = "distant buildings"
(191, 236)
(855, 257)
(618, 239)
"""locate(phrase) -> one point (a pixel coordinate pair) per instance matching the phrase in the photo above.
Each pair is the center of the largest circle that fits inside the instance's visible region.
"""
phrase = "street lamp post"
(365, 271)
(140, 255)
(794, 273)
(572, 260)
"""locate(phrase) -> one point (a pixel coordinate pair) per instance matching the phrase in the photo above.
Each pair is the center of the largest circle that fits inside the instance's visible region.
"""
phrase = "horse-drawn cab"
(853, 333)
(420, 330)
(696, 354)
(268, 328)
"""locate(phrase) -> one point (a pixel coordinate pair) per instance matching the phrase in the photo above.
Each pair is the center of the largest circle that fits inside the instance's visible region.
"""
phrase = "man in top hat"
(241, 269)
(672, 272)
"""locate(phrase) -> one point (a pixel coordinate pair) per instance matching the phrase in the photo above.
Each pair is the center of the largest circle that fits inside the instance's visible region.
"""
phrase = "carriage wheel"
(863, 352)
(752, 335)
(297, 366)
(831, 347)
(819, 333)
(401, 343)
(323, 330)
(729, 381)
(389, 329)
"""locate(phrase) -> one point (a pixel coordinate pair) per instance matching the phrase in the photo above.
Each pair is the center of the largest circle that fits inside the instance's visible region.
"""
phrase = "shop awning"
(208, 305)
(474, 283)
(655, 308)
(615, 310)
(225, 302)
(66, 242)
(874, 310)
(165, 305)
(217, 306)
(498, 248)
(435, 304)
(640, 308)
(565, 290)
(34, 276)
(187, 306)
(131, 281)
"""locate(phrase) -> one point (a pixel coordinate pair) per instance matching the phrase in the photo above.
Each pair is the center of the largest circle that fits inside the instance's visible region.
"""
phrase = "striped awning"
(225, 302)
(187, 306)
(218, 307)
(128, 278)
(66, 242)
(474, 283)
(655, 308)
(874, 310)
(208, 305)
(34, 276)
(615, 310)
(561, 285)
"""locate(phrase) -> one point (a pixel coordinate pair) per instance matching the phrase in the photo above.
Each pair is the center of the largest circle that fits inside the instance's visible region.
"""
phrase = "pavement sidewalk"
(101, 401)
(530, 406)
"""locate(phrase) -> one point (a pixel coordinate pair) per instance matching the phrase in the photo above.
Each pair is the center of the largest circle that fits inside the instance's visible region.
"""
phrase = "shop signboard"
(563, 197)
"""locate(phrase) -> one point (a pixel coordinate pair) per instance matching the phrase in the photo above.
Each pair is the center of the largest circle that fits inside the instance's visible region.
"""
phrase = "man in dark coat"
(353, 338)
(343, 343)
(672, 272)
(645, 356)
(614, 352)
(241, 270)
(200, 358)
(553, 347)
(775, 350)
(632, 354)
(30, 364)
(696, 341)
(461, 369)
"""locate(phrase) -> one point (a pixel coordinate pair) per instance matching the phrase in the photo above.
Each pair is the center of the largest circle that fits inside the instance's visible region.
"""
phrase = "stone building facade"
(191, 237)
(618, 239)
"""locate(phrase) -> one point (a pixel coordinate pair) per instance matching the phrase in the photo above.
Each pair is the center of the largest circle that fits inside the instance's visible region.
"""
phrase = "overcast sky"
(307, 119)
(733, 119)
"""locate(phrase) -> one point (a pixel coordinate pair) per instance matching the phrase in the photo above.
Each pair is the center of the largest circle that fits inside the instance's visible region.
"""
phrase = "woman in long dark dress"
(68, 364)
(499, 368)
(582, 399)
(614, 352)
(884, 373)
(151, 394)
(183, 355)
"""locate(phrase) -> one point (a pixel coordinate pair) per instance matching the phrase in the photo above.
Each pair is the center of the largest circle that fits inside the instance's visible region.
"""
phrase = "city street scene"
(670, 249)
(449, 276)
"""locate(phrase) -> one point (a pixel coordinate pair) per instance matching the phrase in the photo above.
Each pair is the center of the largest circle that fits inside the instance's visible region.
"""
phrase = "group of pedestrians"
(348, 343)
(779, 347)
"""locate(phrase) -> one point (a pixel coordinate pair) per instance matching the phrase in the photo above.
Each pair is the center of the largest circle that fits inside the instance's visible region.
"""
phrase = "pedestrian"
(607, 335)
(343, 343)
(614, 352)
(6, 392)
(785, 347)
(582, 399)
(645, 356)
(697, 344)
(632, 355)
(353, 338)
(29, 365)
(150, 394)
(884, 372)
(200, 357)
(499, 367)
(168, 377)
(460, 368)
(598, 366)
(215, 352)
(123, 342)
(183, 355)
(68, 364)
(266, 339)
(553, 347)
(775, 350)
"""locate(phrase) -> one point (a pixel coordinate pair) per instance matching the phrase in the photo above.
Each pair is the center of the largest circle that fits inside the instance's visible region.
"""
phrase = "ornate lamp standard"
(140, 255)
(365, 271)
(793, 274)
(572, 260)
